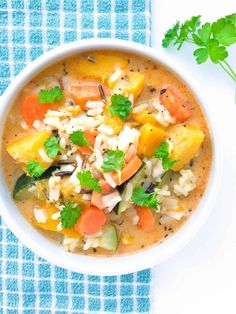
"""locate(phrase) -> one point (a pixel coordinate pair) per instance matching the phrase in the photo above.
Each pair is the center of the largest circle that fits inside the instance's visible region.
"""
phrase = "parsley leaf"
(52, 147)
(224, 31)
(120, 106)
(50, 96)
(212, 39)
(34, 169)
(87, 180)
(170, 35)
(141, 198)
(78, 138)
(162, 153)
(70, 215)
(113, 161)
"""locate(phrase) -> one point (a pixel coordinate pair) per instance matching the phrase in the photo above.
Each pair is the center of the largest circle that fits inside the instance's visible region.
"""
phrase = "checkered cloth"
(28, 284)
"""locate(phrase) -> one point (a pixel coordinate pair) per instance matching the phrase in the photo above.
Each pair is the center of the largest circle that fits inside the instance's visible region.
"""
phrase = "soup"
(106, 153)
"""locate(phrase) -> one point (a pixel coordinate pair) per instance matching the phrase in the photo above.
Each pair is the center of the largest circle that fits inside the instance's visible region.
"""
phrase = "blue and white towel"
(28, 284)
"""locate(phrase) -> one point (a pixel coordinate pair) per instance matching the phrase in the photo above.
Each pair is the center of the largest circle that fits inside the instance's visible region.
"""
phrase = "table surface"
(201, 278)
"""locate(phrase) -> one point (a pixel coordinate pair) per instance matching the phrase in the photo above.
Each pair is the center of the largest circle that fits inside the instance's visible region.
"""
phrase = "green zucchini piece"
(137, 179)
(24, 182)
(169, 178)
(109, 238)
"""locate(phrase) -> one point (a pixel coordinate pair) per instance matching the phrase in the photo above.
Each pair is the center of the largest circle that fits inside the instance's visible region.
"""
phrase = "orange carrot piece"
(130, 154)
(31, 110)
(92, 220)
(146, 218)
(127, 171)
(90, 135)
(175, 103)
(83, 93)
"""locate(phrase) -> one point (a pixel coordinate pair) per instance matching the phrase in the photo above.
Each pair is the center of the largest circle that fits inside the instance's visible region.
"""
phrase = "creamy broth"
(156, 77)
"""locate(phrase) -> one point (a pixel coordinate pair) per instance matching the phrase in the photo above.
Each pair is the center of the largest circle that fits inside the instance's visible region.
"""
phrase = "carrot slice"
(83, 93)
(127, 171)
(92, 220)
(97, 198)
(175, 103)
(146, 219)
(91, 137)
(31, 110)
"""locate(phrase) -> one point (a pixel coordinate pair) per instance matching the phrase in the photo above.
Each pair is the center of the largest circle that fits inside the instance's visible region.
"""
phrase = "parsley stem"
(229, 67)
(227, 71)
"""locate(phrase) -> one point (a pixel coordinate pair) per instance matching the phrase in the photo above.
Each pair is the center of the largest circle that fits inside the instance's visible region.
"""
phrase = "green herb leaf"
(50, 96)
(52, 147)
(170, 35)
(217, 53)
(224, 31)
(113, 161)
(120, 106)
(212, 38)
(78, 138)
(201, 55)
(162, 153)
(34, 169)
(70, 215)
(141, 198)
(87, 180)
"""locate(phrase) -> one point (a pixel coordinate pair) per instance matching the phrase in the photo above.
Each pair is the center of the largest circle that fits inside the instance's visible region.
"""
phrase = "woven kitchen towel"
(28, 284)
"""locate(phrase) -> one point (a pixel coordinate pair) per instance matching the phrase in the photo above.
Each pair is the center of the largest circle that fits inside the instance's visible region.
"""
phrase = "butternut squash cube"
(150, 139)
(27, 148)
(186, 142)
(104, 65)
(133, 83)
(144, 116)
(115, 123)
(52, 224)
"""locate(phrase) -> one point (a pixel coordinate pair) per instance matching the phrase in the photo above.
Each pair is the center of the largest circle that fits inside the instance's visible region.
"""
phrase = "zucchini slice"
(109, 238)
(24, 182)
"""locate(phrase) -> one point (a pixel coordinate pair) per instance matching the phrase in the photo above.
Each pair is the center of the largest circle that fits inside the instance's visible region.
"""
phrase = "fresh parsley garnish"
(78, 138)
(52, 147)
(113, 161)
(87, 180)
(34, 169)
(141, 198)
(50, 96)
(120, 106)
(162, 153)
(212, 39)
(70, 215)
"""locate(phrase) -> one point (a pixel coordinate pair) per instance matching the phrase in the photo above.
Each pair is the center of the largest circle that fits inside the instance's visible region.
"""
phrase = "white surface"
(201, 278)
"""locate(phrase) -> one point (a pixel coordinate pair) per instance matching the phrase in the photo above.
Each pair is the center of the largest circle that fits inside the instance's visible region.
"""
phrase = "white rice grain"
(86, 196)
(54, 188)
(115, 76)
(94, 104)
(44, 156)
(94, 112)
(109, 180)
(24, 125)
(105, 129)
(111, 199)
(40, 215)
(139, 108)
(129, 191)
(56, 216)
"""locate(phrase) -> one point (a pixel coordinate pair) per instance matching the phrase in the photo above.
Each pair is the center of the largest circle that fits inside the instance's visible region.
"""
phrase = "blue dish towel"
(28, 284)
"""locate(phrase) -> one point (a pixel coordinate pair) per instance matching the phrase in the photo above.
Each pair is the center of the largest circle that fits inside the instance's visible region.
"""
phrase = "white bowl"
(104, 265)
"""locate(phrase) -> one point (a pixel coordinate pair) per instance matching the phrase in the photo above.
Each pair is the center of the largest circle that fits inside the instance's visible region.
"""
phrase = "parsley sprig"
(78, 138)
(120, 106)
(114, 161)
(212, 39)
(34, 169)
(70, 215)
(141, 198)
(87, 180)
(52, 147)
(50, 96)
(162, 153)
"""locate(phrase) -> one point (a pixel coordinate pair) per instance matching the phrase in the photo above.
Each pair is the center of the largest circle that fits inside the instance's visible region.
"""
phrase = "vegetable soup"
(106, 153)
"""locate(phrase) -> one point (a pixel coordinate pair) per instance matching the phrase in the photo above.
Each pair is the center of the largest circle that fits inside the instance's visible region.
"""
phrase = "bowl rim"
(125, 263)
